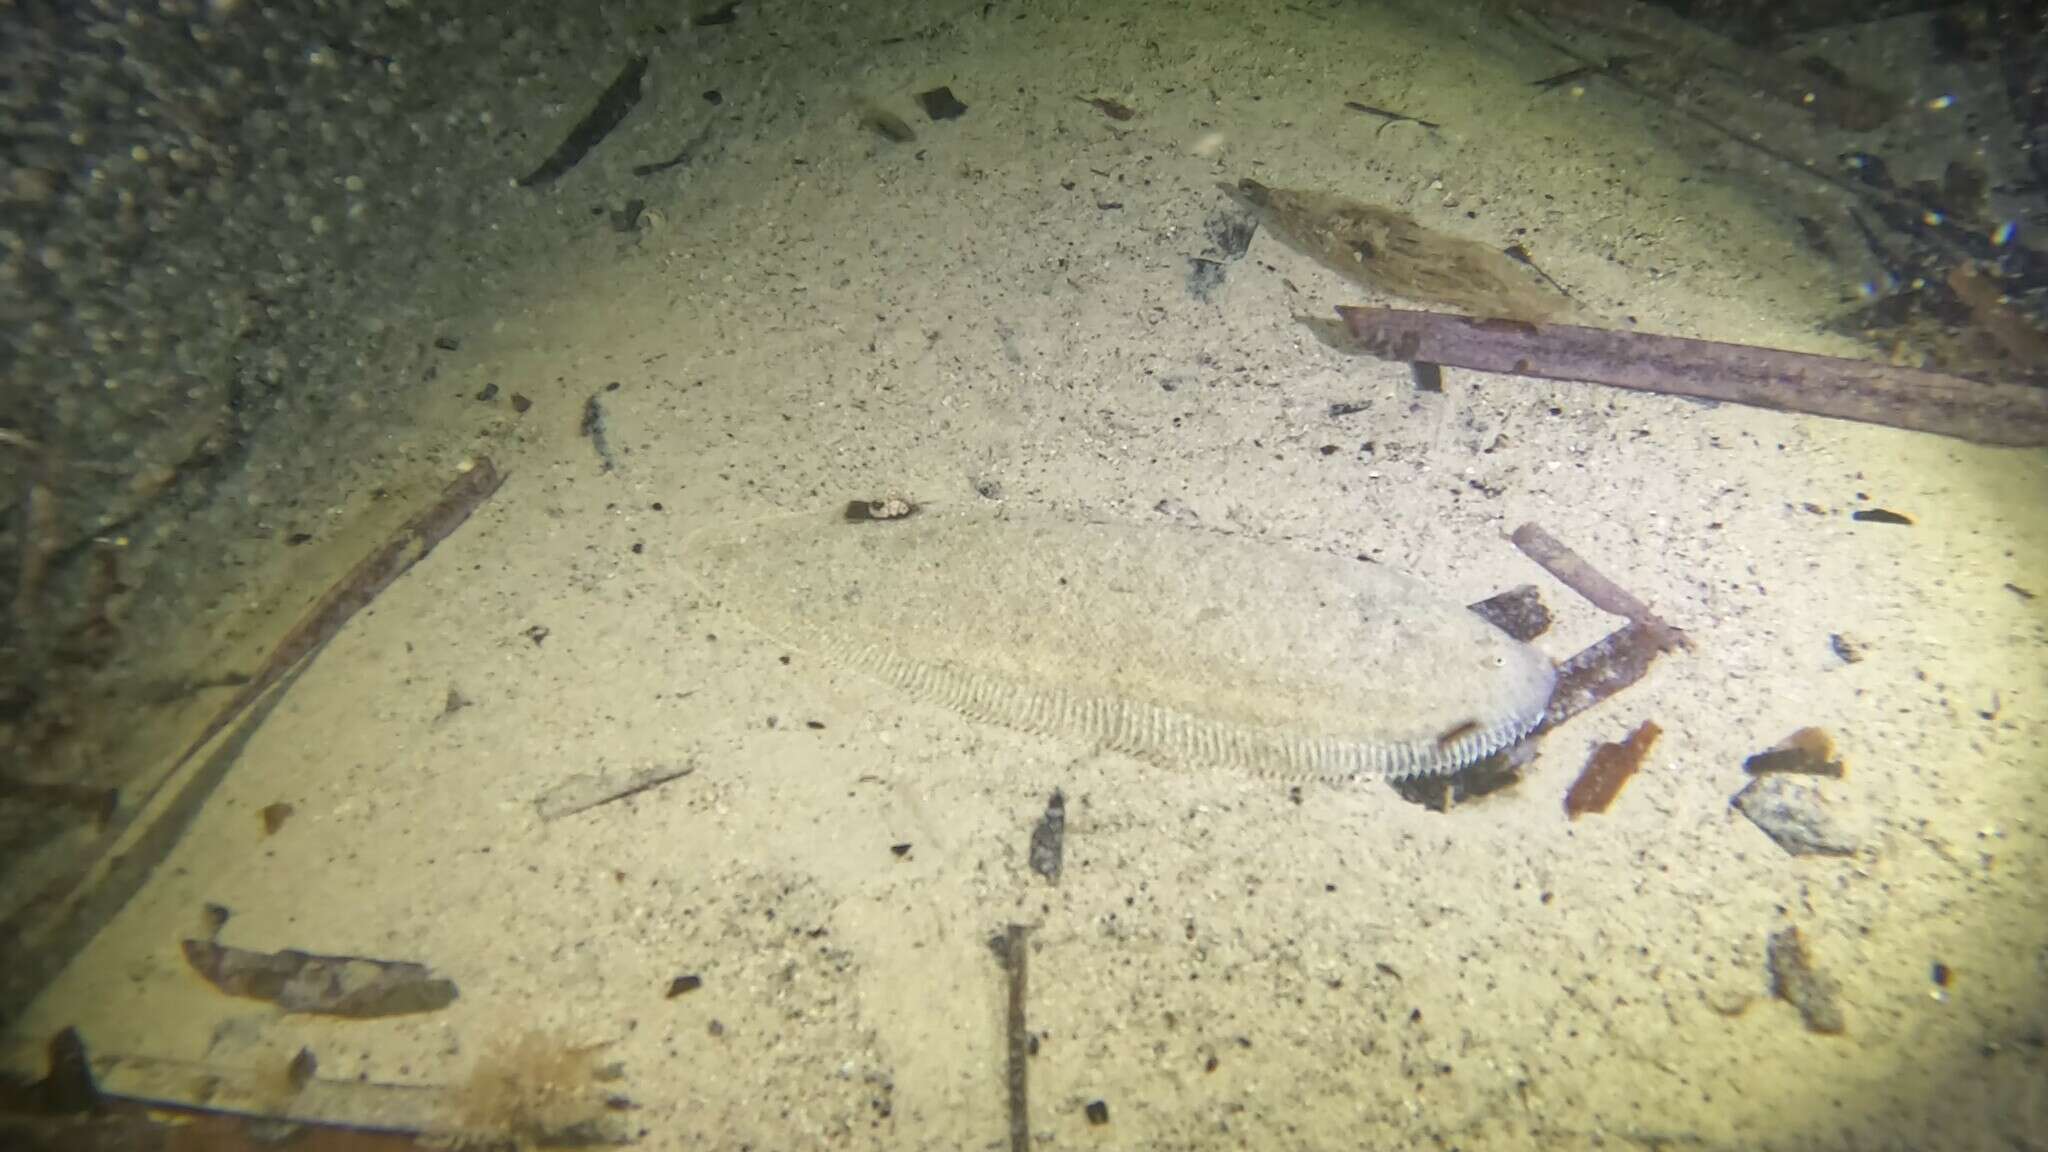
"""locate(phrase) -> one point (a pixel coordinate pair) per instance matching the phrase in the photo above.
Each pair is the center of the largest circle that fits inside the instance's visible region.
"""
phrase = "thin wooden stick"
(2013, 415)
(349, 595)
(1016, 946)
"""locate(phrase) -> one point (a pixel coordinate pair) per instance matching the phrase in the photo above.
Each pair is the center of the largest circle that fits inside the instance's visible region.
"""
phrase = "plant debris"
(1110, 108)
(684, 984)
(1608, 770)
(1519, 612)
(1389, 119)
(1867, 391)
(1390, 251)
(354, 591)
(585, 791)
(1013, 948)
(940, 104)
(1049, 839)
(1880, 516)
(1807, 752)
(274, 816)
(593, 429)
(1796, 981)
(297, 981)
(610, 111)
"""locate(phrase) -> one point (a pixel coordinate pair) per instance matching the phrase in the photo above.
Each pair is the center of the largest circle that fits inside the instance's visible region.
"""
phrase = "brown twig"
(1016, 945)
(1987, 413)
(354, 591)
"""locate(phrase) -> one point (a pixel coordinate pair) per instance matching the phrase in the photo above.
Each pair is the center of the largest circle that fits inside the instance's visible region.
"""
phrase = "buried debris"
(295, 981)
(1866, 391)
(1797, 982)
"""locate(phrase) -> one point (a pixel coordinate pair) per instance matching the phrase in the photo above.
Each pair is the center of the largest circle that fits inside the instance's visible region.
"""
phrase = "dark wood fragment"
(683, 984)
(1608, 770)
(609, 112)
(1519, 612)
(1575, 573)
(2014, 415)
(1110, 108)
(1602, 669)
(1014, 947)
(1880, 516)
(354, 591)
(347, 986)
(940, 104)
(1049, 838)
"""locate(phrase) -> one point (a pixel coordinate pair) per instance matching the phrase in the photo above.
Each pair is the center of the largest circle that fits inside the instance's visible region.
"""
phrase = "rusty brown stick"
(349, 595)
(2013, 415)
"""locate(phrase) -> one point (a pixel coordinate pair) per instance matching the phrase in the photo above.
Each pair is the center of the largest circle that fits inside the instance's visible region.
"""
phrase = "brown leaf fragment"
(297, 981)
(1608, 770)
(274, 816)
(1807, 752)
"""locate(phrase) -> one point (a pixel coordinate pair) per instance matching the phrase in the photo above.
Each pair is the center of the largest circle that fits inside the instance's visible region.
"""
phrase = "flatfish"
(1174, 644)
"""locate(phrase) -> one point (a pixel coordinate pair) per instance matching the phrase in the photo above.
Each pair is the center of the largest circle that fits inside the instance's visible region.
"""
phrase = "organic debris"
(1807, 752)
(1390, 251)
(1049, 838)
(1110, 108)
(274, 816)
(1389, 119)
(1519, 612)
(1861, 390)
(1594, 674)
(1797, 982)
(1013, 949)
(592, 429)
(354, 591)
(609, 112)
(940, 104)
(297, 981)
(1609, 768)
(539, 1089)
(1573, 572)
(581, 793)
